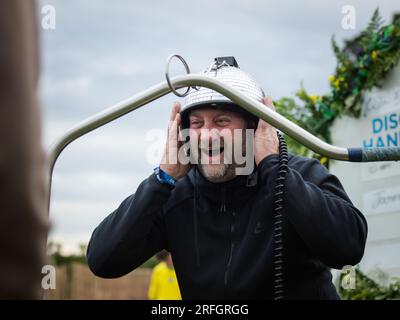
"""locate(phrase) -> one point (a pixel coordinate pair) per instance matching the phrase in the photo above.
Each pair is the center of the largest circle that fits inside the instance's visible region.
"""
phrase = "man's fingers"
(173, 130)
(268, 102)
(173, 126)
(263, 125)
(176, 108)
(178, 119)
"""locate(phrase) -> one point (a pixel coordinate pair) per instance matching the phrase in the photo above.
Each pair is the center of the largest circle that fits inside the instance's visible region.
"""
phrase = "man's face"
(213, 130)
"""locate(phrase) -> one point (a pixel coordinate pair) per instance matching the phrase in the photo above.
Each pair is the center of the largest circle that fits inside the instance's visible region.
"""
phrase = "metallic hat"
(225, 69)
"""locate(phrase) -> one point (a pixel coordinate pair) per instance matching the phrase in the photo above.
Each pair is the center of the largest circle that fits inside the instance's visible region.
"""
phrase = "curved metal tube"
(253, 106)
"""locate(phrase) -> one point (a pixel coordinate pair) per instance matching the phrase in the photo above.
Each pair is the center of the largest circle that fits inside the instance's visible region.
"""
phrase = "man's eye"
(222, 121)
(195, 123)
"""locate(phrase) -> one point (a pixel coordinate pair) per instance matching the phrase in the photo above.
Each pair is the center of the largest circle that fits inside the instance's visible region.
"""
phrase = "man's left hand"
(265, 139)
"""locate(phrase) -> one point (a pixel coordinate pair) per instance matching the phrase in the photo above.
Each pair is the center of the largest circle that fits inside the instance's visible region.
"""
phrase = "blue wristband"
(164, 177)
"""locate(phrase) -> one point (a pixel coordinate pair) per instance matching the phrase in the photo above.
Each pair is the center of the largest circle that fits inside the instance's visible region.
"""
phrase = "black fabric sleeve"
(319, 209)
(131, 234)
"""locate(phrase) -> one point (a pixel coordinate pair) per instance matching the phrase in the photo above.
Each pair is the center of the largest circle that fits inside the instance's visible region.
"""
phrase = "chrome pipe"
(255, 107)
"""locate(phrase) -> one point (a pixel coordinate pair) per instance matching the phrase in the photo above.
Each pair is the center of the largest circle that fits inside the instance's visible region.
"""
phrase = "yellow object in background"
(164, 284)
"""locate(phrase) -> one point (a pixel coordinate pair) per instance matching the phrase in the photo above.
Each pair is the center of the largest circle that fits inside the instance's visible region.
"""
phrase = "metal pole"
(253, 106)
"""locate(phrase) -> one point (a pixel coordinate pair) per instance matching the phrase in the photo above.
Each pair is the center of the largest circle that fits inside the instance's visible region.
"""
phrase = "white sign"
(378, 170)
(381, 128)
(374, 187)
(381, 201)
(377, 101)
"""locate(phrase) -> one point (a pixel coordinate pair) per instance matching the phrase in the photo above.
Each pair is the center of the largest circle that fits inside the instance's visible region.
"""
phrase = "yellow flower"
(332, 78)
(374, 55)
(336, 83)
(314, 98)
(323, 160)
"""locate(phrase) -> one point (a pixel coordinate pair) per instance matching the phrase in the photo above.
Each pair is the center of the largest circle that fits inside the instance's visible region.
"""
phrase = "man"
(218, 224)
(163, 282)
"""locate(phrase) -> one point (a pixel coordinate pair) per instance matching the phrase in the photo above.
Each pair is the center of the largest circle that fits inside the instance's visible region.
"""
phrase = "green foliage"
(368, 289)
(288, 108)
(362, 64)
(59, 258)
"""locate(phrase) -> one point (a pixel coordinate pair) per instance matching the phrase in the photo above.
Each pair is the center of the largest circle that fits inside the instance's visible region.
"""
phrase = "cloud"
(73, 87)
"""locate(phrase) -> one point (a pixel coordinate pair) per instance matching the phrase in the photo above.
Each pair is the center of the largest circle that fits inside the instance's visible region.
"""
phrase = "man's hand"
(265, 139)
(170, 162)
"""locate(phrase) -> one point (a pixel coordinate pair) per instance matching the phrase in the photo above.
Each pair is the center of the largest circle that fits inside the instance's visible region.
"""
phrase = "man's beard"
(223, 171)
(217, 172)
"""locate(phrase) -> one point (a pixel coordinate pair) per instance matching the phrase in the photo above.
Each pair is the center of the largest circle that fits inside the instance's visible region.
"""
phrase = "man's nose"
(209, 124)
(208, 135)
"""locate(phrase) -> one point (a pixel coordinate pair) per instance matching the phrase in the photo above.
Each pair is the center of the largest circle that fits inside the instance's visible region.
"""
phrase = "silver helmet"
(225, 69)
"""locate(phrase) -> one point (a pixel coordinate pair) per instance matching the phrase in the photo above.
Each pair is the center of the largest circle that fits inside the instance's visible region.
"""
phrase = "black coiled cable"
(278, 263)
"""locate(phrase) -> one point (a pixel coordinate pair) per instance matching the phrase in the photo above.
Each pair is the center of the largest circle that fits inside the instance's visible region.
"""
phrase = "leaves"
(362, 64)
(368, 289)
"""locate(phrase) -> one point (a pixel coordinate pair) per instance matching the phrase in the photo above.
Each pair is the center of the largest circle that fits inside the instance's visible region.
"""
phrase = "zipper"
(232, 248)
(231, 238)
(228, 265)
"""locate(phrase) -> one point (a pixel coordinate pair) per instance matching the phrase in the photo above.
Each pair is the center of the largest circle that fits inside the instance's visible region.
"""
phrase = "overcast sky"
(101, 52)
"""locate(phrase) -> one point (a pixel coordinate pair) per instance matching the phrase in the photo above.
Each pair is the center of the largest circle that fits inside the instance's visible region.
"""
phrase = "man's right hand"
(170, 162)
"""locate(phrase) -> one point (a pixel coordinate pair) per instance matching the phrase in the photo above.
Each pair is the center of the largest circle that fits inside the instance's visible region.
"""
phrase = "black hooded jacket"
(220, 235)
